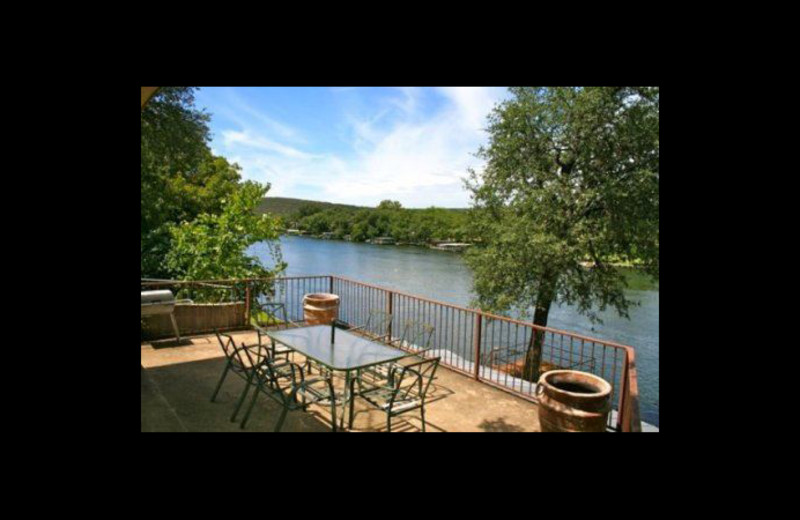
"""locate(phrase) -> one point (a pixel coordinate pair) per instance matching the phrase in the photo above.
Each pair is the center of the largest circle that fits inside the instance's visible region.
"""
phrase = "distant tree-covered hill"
(283, 206)
(358, 223)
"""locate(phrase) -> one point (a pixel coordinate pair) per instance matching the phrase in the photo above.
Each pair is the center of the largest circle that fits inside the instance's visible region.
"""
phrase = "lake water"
(443, 276)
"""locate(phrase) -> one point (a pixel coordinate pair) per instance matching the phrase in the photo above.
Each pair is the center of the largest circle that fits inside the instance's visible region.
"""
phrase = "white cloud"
(248, 117)
(399, 152)
(408, 103)
(233, 138)
(473, 103)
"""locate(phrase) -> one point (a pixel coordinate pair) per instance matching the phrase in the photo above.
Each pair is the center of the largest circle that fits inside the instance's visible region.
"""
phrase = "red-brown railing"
(484, 346)
(462, 336)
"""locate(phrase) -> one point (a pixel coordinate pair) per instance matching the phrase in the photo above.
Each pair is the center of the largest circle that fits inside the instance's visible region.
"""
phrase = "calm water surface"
(444, 276)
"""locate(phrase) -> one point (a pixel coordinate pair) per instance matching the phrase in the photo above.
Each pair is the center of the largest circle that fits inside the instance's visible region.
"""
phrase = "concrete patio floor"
(178, 380)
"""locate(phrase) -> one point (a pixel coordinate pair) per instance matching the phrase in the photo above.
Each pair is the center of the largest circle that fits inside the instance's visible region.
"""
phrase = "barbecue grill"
(161, 302)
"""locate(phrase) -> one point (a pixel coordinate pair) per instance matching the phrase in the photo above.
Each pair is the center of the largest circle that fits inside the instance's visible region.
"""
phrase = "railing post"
(622, 397)
(477, 341)
(389, 311)
(630, 413)
(247, 303)
(331, 286)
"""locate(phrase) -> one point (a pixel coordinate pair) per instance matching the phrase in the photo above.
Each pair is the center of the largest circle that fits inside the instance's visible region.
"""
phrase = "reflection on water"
(443, 276)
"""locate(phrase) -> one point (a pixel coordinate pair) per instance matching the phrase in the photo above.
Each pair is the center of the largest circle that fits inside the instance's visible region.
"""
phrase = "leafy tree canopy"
(390, 204)
(188, 193)
(417, 226)
(570, 185)
(214, 246)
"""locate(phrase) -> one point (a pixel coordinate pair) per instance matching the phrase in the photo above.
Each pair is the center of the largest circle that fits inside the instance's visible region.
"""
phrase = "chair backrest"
(413, 380)
(274, 311)
(378, 322)
(264, 366)
(417, 333)
(233, 353)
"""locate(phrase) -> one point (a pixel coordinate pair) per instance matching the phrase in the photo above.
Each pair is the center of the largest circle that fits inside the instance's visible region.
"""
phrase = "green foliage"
(571, 176)
(285, 206)
(306, 210)
(389, 204)
(197, 217)
(213, 246)
(174, 145)
(415, 226)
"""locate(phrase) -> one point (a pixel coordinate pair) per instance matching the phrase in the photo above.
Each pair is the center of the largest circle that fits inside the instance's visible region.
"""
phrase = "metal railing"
(484, 346)
(466, 338)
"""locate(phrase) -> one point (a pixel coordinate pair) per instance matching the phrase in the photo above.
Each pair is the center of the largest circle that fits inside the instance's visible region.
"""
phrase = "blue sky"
(354, 145)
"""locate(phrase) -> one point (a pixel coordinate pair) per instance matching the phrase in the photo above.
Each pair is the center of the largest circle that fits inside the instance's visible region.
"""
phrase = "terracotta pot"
(573, 401)
(320, 308)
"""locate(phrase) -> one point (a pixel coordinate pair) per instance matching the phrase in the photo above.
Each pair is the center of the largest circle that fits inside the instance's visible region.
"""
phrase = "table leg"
(352, 402)
(345, 395)
(333, 409)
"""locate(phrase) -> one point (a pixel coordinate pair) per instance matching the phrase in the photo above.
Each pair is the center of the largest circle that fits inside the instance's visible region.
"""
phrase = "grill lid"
(157, 297)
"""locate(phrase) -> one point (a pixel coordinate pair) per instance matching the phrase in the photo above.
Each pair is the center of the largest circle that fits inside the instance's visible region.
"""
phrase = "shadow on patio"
(178, 380)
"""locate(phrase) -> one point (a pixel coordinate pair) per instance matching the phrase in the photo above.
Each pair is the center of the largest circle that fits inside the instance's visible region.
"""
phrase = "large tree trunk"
(533, 356)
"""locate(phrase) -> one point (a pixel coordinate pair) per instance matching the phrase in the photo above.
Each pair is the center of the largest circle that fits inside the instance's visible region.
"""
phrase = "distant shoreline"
(425, 245)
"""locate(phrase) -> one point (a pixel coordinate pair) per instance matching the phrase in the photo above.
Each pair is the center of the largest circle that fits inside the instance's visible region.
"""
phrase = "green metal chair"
(414, 335)
(234, 362)
(377, 327)
(267, 382)
(263, 315)
(244, 362)
(408, 385)
(268, 314)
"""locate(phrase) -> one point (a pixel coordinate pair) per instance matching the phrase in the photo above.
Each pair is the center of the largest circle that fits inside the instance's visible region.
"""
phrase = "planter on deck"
(573, 401)
(320, 308)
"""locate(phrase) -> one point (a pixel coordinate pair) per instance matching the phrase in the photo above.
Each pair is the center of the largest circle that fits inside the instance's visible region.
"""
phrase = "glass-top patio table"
(337, 349)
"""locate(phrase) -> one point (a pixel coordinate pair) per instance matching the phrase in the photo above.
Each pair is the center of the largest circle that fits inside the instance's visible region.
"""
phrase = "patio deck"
(178, 380)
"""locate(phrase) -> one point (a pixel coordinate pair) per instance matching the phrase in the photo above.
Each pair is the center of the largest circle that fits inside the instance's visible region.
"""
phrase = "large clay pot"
(573, 401)
(320, 308)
